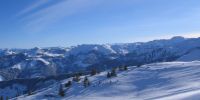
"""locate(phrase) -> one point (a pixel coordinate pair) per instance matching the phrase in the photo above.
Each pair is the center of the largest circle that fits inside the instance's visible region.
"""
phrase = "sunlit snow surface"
(1, 78)
(161, 81)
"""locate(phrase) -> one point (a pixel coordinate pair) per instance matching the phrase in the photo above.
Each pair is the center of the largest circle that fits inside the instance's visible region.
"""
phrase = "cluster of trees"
(86, 81)
(123, 68)
(113, 71)
(61, 90)
(2, 98)
(76, 78)
(93, 72)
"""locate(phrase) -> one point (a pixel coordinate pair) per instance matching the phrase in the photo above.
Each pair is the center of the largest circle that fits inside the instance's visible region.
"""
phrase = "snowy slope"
(158, 81)
(191, 56)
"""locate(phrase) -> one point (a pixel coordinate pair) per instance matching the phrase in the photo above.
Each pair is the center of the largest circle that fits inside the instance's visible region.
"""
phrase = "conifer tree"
(61, 91)
(121, 68)
(108, 75)
(93, 72)
(1, 98)
(29, 92)
(113, 73)
(76, 78)
(125, 68)
(138, 65)
(86, 82)
(68, 84)
(6, 97)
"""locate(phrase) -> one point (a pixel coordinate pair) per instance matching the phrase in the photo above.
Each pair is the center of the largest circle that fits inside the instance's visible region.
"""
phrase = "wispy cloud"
(32, 7)
(165, 36)
(192, 35)
(43, 18)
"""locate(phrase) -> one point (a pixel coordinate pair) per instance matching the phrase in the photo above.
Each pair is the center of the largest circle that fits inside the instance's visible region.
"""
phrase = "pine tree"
(113, 73)
(86, 82)
(68, 84)
(80, 73)
(76, 78)
(125, 68)
(108, 75)
(6, 97)
(93, 72)
(61, 91)
(29, 92)
(138, 65)
(1, 98)
(120, 68)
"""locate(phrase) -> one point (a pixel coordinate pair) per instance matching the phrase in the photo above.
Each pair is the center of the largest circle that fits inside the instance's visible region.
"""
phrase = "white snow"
(1, 78)
(192, 95)
(158, 81)
(43, 60)
(17, 66)
(108, 47)
(8, 52)
(194, 55)
(53, 55)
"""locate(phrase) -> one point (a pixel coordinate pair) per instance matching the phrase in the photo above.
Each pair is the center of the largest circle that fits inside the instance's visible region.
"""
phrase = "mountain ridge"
(42, 62)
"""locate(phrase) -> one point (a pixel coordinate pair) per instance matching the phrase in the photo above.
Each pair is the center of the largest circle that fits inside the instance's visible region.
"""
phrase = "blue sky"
(46, 23)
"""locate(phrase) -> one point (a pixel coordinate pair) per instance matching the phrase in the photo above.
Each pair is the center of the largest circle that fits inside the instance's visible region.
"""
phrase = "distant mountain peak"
(86, 56)
(177, 38)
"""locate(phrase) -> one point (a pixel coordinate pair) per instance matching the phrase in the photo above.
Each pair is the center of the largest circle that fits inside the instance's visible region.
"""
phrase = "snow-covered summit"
(104, 56)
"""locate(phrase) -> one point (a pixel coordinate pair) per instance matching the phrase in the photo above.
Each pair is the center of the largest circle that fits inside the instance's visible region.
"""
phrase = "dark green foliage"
(68, 84)
(1, 98)
(121, 68)
(86, 82)
(139, 65)
(76, 78)
(30, 92)
(61, 91)
(6, 98)
(79, 73)
(93, 72)
(125, 68)
(113, 72)
(108, 75)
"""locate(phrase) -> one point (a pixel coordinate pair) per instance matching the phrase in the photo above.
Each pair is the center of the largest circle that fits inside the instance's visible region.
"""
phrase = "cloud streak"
(43, 18)
(32, 7)
(192, 35)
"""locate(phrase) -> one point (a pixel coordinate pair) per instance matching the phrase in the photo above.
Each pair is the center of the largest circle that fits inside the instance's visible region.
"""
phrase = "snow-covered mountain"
(42, 62)
(157, 81)
(41, 69)
(191, 55)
